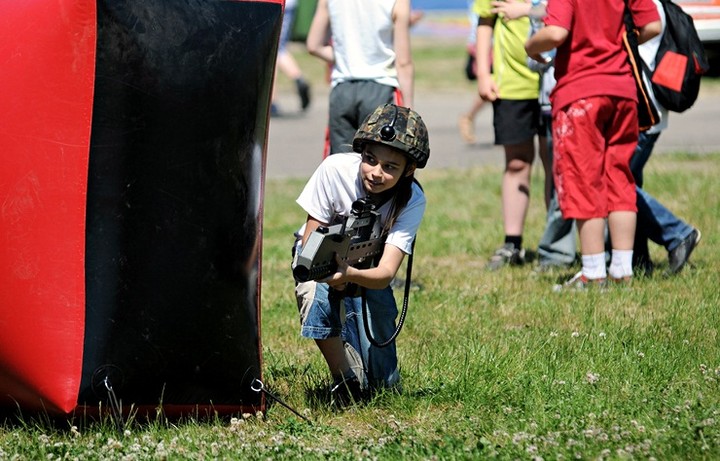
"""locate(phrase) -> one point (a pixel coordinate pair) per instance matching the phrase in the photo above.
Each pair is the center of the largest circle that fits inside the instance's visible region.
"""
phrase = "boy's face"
(382, 167)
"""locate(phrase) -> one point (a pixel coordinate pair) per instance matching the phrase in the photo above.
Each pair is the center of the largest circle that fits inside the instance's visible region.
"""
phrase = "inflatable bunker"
(133, 137)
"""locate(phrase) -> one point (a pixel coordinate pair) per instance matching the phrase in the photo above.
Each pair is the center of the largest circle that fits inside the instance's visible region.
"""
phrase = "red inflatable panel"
(48, 59)
(133, 137)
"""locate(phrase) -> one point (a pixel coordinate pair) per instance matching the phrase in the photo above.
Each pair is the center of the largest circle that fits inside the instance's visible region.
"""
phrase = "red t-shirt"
(592, 61)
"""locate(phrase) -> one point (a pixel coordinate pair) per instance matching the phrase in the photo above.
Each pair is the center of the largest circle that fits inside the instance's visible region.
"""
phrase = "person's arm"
(511, 9)
(487, 88)
(317, 39)
(545, 39)
(403, 53)
(311, 224)
(375, 278)
(649, 31)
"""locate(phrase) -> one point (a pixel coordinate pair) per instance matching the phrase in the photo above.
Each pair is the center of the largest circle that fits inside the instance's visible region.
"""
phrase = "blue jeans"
(557, 245)
(321, 315)
(654, 221)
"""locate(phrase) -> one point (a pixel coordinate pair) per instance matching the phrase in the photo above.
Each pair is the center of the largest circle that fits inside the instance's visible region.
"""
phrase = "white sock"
(621, 264)
(593, 266)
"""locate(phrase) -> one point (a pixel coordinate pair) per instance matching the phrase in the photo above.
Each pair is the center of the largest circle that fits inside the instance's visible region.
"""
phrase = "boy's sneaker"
(678, 257)
(506, 255)
(580, 283)
(356, 365)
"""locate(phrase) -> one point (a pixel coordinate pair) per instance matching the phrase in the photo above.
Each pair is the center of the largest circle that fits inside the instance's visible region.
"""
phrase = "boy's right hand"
(487, 89)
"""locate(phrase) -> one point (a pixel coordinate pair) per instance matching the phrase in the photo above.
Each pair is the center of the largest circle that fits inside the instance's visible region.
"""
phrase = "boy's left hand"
(339, 279)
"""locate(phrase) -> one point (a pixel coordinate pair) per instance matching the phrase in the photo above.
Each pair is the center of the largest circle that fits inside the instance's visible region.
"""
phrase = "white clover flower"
(591, 377)
(575, 334)
(602, 334)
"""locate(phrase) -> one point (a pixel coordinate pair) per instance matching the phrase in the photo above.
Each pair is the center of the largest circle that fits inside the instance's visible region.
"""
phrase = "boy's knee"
(517, 166)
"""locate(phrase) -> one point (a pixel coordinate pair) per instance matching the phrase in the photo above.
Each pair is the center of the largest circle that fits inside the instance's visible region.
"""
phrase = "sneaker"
(506, 255)
(549, 267)
(356, 365)
(580, 283)
(274, 110)
(346, 391)
(303, 90)
(467, 129)
(678, 257)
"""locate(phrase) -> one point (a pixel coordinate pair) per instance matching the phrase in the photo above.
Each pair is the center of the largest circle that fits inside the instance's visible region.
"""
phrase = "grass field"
(494, 365)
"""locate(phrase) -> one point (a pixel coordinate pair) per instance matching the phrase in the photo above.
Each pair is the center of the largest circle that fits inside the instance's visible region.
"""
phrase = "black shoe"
(506, 255)
(303, 90)
(274, 110)
(678, 257)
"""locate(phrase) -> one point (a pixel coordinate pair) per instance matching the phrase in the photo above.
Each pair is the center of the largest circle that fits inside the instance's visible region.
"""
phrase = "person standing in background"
(466, 122)
(287, 64)
(367, 43)
(655, 222)
(595, 125)
(513, 90)
(557, 247)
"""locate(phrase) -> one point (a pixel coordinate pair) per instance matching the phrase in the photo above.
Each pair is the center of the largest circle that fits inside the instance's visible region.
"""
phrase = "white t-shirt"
(336, 184)
(362, 40)
(648, 51)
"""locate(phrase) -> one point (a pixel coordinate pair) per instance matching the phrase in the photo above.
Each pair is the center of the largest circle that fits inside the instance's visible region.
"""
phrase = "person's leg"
(320, 320)
(516, 186)
(664, 228)
(659, 223)
(622, 137)
(557, 245)
(578, 165)
(370, 95)
(287, 64)
(342, 119)
(381, 364)
(466, 122)
(516, 125)
(645, 145)
(641, 253)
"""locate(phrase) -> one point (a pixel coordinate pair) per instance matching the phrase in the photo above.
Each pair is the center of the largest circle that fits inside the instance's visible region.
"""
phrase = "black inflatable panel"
(174, 201)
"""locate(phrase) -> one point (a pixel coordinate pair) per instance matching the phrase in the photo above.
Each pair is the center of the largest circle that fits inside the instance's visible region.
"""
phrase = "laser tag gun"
(357, 240)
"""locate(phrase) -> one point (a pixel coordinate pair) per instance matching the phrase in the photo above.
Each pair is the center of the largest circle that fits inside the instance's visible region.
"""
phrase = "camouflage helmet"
(397, 127)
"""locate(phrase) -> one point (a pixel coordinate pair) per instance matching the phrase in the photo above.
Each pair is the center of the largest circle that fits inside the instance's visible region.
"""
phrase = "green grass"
(493, 364)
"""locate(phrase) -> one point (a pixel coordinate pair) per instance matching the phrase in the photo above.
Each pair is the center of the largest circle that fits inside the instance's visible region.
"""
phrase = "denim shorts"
(324, 315)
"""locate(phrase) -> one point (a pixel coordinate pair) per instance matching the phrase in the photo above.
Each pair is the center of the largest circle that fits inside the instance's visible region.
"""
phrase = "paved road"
(296, 139)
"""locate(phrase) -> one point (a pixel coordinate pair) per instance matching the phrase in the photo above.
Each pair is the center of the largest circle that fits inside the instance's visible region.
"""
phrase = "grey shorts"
(350, 103)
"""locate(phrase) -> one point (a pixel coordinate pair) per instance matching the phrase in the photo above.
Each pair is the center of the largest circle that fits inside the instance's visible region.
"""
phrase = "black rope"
(115, 405)
(403, 312)
(259, 386)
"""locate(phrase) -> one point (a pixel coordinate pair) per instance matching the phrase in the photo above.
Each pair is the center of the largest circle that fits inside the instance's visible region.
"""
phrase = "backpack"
(680, 61)
(648, 113)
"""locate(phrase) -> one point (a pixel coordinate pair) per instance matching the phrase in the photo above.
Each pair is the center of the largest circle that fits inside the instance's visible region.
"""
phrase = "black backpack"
(680, 61)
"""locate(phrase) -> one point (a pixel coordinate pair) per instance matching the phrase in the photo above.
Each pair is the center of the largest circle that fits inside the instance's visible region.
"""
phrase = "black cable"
(403, 312)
